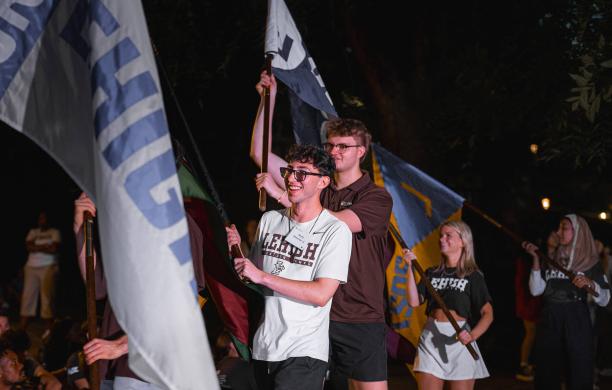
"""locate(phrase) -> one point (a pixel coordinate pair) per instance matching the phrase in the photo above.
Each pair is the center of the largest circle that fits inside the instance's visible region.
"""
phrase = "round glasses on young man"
(298, 174)
(328, 146)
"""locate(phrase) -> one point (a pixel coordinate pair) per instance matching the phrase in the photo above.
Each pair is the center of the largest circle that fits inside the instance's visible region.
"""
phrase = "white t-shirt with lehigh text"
(293, 328)
(42, 237)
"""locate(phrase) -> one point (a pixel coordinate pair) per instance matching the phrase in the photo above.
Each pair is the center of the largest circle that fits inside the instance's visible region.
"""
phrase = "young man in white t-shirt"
(300, 256)
(357, 328)
(40, 271)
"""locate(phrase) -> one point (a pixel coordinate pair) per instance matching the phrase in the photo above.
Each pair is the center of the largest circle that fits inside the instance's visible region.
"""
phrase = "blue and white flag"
(78, 77)
(420, 202)
(420, 205)
(310, 103)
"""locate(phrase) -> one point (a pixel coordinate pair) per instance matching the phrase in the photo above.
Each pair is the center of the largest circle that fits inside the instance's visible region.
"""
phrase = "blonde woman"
(441, 356)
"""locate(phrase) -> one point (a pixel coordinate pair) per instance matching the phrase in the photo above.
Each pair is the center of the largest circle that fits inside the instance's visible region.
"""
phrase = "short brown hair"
(314, 155)
(343, 127)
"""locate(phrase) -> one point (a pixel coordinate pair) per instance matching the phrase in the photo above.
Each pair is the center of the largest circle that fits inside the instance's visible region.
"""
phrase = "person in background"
(18, 341)
(111, 346)
(564, 338)
(40, 271)
(528, 309)
(11, 369)
(76, 371)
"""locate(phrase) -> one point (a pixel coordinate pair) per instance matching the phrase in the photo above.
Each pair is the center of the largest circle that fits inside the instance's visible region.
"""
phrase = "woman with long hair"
(441, 354)
(564, 336)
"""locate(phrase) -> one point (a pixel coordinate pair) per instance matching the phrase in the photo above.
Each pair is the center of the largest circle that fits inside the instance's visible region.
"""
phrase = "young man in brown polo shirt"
(357, 328)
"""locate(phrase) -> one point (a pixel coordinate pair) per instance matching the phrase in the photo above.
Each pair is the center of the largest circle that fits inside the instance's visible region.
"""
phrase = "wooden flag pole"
(92, 323)
(519, 240)
(235, 249)
(432, 291)
(266, 134)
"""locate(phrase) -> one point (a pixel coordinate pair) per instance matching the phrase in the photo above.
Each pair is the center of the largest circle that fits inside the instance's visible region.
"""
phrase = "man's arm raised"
(275, 162)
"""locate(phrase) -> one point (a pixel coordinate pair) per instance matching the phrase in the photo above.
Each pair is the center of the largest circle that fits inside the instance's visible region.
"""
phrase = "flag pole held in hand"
(92, 323)
(432, 291)
(266, 134)
(553, 263)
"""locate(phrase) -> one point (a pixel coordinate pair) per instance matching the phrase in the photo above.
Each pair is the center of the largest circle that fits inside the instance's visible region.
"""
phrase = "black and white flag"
(310, 103)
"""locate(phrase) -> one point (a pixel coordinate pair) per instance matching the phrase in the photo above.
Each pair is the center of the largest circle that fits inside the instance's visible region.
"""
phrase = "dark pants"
(298, 373)
(564, 344)
(604, 338)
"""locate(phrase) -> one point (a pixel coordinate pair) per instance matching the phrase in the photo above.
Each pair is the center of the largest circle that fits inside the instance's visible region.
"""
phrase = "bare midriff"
(438, 315)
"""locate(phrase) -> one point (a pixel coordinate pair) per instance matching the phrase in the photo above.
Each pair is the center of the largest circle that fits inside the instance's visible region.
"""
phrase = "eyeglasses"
(341, 147)
(299, 175)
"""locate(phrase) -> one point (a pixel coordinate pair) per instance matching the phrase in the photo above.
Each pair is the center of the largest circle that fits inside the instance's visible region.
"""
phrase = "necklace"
(313, 225)
(445, 273)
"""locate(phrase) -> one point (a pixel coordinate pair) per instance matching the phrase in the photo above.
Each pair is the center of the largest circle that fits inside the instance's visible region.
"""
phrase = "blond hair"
(467, 261)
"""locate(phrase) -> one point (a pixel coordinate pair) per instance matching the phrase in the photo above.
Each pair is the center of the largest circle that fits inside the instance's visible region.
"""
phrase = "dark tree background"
(459, 89)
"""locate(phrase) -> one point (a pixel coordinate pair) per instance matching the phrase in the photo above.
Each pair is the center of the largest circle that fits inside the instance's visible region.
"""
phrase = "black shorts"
(359, 351)
(298, 373)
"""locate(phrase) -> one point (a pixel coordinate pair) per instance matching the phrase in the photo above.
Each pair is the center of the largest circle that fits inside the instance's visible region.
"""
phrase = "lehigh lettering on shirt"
(554, 274)
(274, 245)
(449, 284)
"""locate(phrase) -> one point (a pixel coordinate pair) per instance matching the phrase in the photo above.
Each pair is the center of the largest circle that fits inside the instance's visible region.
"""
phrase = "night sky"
(459, 91)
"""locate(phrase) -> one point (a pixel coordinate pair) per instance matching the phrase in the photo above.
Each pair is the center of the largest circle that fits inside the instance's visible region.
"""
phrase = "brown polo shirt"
(361, 299)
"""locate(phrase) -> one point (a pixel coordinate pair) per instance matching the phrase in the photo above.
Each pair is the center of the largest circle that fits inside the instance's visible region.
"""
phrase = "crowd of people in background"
(321, 260)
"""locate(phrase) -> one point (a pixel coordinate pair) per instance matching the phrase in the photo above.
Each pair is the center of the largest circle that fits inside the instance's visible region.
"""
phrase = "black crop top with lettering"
(466, 296)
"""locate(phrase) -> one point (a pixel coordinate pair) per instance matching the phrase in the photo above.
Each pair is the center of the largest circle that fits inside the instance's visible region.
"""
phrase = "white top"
(293, 328)
(42, 237)
(537, 285)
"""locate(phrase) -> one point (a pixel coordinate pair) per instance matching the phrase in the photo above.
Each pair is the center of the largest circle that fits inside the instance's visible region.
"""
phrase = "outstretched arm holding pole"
(97, 348)
(270, 181)
(411, 259)
(266, 134)
(535, 251)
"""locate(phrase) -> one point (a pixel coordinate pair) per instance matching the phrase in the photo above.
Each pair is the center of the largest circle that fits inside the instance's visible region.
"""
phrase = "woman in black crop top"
(442, 355)
(564, 334)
